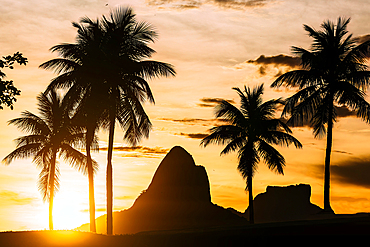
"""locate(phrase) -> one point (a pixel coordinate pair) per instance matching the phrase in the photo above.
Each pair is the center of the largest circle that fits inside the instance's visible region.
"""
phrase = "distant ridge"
(177, 198)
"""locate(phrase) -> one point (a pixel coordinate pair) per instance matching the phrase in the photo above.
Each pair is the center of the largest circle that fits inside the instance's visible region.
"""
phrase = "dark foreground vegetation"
(300, 233)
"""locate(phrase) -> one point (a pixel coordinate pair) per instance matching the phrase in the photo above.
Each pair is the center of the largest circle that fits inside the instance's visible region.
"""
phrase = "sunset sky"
(214, 45)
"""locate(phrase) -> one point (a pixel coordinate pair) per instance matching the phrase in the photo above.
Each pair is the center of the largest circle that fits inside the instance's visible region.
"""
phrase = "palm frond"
(222, 135)
(43, 182)
(153, 69)
(29, 139)
(280, 138)
(144, 32)
(31, 123)
(298, 78)
(268, 108)
(234, 145)
(137, 86)
(248, 161)
(60, 65)
(230, 113)
(364, 111)
(43, 156)
(320, 118)
(274, 160)
(76, 159)
(302, 105)
(22, 152)
(133, 120)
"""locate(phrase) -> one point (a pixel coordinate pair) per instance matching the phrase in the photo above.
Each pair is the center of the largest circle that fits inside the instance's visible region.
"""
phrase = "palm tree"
(106, 70)
(251, 130)
(50, 135)
(333, 73)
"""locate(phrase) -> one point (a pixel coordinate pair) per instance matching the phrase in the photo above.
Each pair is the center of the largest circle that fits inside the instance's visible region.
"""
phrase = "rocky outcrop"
(177, 198)
(279, 204)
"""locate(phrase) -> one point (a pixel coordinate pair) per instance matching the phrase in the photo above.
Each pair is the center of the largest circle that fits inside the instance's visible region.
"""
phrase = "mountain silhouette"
(177, 198)
(286, 203)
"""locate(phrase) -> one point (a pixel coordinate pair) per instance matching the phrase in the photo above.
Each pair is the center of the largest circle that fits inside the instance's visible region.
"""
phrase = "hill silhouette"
(177, 198)
(285, 203)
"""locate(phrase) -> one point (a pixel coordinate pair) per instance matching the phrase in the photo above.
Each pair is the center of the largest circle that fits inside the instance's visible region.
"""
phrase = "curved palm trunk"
(110, 177)
(91, 182)
(51, 186)
(250, 194)
(329, 143)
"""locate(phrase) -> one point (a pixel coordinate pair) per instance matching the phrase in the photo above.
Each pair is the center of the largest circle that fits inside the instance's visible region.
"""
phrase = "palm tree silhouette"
(106, 72)
(250, 130)
(333, 73)
(51, 134)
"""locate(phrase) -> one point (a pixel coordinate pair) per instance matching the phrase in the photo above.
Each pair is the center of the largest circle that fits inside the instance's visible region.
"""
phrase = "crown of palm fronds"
(250, 130)
(49, 133)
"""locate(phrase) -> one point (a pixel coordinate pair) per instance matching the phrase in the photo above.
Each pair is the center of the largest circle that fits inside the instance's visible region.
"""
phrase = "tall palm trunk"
(51, 186)
(329, 143)
(250, 194)
(90, 172)
(110, 176)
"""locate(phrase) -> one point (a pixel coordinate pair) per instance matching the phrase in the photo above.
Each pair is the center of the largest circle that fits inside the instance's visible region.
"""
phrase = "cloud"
(353, 171)
(344, 111)
(196, 121)
(277, 61)
(124, 197)
(191, 4)
(212, 102)
(14, 198)
(193, 135)
(349, 199)
(362, 38)
(138, 151)
(97, 210)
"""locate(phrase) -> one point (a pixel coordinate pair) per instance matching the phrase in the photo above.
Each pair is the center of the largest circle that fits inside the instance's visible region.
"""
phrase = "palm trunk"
(91, 182)
(51, 187)
(329, 143)
(110, 177)
(250, 194)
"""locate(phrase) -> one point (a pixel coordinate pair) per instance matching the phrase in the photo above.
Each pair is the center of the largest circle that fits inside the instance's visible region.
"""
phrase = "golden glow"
(64, 238)
(67, 213)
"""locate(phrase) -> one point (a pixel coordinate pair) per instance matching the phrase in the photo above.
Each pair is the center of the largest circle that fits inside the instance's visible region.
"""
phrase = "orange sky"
(214, 46)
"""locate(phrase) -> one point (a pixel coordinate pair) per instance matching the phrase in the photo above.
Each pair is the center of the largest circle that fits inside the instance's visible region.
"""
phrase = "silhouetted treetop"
(8, 91)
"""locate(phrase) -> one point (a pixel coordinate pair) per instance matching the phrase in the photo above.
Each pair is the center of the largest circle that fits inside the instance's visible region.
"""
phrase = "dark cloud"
(193, 135)
(279, 60)
(353, 171)
(341, 152)
(191, 4)
(275, 61)
(139, 151)
(212, 102)
(196, 121)
(344, 111)
(362, 38)
(241, 4)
